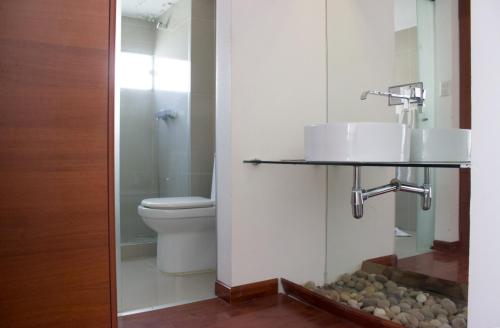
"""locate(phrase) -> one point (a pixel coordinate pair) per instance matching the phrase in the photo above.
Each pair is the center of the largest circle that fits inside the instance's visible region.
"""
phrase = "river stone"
(345, 277)
(417, 314)
(353, 303)
(331, 294)
(436, 323)
(370, 301)
(379, 295)
(442, 318)
(361, 274)
(407, 319)
(371, 277)
(310, 285)
(344, 296)
(360, 285)
(459, 323)
(381, 278)
(383, 304)
(438, 309)
(378, 285)
(449, 306)
(393, 300)
(395, 309)
(426, 311)
(405, 307)
(445, 326)
(391, 284)
(369, 291)
(425, 324)
(380, 312)
(351, 284)
(368, 309)
(421, 298)
(430, 301)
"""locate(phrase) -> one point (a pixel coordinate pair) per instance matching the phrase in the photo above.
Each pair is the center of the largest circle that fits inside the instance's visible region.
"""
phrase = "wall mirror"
(372, 46)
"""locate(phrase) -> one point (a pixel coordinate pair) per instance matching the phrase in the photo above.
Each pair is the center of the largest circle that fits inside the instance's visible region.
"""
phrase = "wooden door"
(56, 214)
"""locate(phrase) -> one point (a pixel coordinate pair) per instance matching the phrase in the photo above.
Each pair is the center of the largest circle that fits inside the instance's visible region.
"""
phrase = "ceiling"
(145, 9)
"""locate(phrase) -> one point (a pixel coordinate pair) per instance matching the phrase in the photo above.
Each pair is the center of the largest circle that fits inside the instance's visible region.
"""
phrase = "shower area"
(166, 133)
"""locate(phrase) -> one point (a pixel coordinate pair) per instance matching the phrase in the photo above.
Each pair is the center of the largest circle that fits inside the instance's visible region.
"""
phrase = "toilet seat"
(170, 203)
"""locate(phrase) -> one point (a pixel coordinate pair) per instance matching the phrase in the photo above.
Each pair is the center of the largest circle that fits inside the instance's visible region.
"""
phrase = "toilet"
(186, 232)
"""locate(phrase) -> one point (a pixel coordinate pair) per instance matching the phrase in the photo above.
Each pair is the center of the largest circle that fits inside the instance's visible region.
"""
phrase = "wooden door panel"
(54, 156)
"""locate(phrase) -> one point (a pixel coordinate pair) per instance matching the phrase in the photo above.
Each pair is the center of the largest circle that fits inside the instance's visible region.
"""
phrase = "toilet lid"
(177, 202)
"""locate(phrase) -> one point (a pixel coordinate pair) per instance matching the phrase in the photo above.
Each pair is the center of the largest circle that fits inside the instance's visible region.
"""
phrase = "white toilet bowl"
(186, 232)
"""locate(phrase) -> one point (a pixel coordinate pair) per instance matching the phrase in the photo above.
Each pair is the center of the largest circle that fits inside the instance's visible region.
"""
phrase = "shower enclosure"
(166, 74)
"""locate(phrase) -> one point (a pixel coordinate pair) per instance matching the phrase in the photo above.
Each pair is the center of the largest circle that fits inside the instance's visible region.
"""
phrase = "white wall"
(405, 14)
(360, 57)
(138, 171)
(173, 139)
(271, 79)
(484, 267)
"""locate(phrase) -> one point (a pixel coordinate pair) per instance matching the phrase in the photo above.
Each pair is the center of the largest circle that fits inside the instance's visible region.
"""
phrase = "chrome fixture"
(360, 195)
(404, 94)
(166, 114)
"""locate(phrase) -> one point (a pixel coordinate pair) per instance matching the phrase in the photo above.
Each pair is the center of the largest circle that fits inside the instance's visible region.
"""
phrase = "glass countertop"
(438, 164)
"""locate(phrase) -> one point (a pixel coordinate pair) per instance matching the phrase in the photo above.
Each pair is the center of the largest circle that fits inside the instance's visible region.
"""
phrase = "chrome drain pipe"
(360, 195)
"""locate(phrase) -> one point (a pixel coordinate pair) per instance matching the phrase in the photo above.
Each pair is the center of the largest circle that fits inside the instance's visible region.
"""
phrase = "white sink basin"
(446, 145)
(357, 142)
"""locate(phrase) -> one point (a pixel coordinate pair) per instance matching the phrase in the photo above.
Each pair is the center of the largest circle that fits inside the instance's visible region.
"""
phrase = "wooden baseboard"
(446, 246)
(246, 292)
(358, 316)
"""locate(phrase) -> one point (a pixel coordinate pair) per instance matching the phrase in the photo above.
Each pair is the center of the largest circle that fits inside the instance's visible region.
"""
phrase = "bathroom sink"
(436, 144)
(357, 142)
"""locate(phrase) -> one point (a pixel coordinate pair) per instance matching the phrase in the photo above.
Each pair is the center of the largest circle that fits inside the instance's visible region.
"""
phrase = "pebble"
(391, 285)
(436, 323)
(353, 303)
(421, 298)
(435, 308)
(346, 278)
(369, 309)
(378, 285)
(458, 323)
(407, 320)
(379, 295)
(383, 304)
(381, 278)
(344, 296)
(417, 314)
(445, 326)
(426, 311)
(361, 274)
(393, 300)
(380, 312)
(310, 285)
(449, 306)
(370, 301)
(371, 277)
(405, 307)
(395, 309)
(360, 285)
(351, 284)
(443, 318)
(369, 291)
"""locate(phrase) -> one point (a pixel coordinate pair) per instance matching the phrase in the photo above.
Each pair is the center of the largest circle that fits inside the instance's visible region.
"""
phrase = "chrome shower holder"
(360, 195)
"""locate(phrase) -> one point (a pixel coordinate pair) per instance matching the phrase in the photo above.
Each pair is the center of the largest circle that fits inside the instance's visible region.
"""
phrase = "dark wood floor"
(272, 311)
(453, 266)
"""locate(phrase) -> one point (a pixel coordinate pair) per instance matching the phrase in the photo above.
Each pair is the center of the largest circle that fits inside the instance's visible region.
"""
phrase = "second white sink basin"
(357, 142)
(443, 145)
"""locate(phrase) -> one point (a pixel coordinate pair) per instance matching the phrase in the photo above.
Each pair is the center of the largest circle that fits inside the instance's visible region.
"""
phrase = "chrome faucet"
(413, 93)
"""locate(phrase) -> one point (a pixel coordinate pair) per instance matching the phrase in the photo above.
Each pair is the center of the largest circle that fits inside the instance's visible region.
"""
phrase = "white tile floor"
(143, 286)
